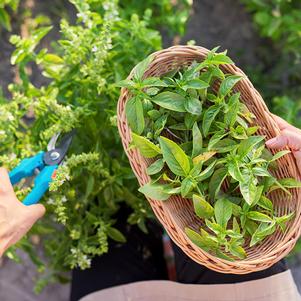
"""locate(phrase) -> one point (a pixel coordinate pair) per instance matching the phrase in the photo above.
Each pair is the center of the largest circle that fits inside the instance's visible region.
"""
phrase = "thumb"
(286, 138)
(36, 212)
(284, 124)
(277, 142)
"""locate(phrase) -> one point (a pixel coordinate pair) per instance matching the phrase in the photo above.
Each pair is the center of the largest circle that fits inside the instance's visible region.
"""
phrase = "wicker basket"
(177, 213)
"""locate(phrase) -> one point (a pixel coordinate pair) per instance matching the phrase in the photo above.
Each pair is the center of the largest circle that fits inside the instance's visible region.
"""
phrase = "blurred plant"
(89, 188)
(5, 7)
(279, 20)
(170, 15)
(279, 73)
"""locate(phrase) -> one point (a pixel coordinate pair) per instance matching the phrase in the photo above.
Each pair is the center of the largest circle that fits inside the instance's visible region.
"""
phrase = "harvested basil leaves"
(203, 140)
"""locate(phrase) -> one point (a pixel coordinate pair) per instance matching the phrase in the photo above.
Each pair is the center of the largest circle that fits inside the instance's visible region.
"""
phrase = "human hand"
(290, 136)
(15, 218)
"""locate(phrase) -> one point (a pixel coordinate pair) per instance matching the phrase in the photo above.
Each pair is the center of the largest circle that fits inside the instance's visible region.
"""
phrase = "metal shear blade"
(56, 154)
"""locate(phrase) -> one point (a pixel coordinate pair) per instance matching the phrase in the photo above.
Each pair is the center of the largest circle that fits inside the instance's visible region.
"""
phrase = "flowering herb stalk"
(201, 139)
(78, 91)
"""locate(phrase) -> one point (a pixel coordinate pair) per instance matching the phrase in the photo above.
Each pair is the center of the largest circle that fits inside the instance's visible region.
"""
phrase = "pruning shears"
(44, 162)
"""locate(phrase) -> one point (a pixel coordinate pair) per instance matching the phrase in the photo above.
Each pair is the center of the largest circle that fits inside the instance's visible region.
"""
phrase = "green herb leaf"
(195, 171)
(197, 140)
(209, 116)
(4, 19)
(234, 170)
(279, 155)
(116, 234)
(225, 145)
(134, 115)
(152, 91)
(173, 190)
(222, 255)
(290, 183)
(178, 127)
(261, 172)
(140, 68)
(146, 147)
(282, 220)
(170, 100)
(196, 238)
(195, 84)
(216, 181)
(248, 190)
(238, 133)
(248, 145)
(237, 251)
(258, 216)
(252, 130)
(153, 82)
(189, 120)
(154, 114)
(203, 241)
(155, 167)
(159, 125)
(174, 156)
(259, 192)
(187, 186)
(236, 209)
(275, 184)
(155, 191)
(201, 207)
(206, 173)
(250, 226)
(228, 83)
(231, 113)
(203, 157)
(262, 231)
(193, 106)
(51, 58)
(127, 83)
(215, 139)
(235, 225)
(220, 58)
(265, 203)
(223, 212)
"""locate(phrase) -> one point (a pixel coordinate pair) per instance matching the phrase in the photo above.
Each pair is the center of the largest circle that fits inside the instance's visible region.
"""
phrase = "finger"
(286, 138)
(297, 155)
(280, 122)
(5, 184)
(284, 124)
(36, 211)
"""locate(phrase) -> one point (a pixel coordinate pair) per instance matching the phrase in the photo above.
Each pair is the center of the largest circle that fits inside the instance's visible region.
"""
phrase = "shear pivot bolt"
(54, 156)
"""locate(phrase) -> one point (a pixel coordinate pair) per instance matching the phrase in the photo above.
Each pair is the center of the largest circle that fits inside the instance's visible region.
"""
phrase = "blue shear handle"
(26, 168)
(41, 185)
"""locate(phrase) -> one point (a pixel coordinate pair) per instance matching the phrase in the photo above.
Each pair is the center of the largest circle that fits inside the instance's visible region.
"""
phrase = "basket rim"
(246, 265)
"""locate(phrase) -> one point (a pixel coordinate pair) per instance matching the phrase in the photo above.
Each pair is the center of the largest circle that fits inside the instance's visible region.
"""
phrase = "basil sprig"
(201, 138)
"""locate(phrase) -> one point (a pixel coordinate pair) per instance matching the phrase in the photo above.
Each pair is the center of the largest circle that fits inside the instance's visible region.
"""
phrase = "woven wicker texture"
(177, 213)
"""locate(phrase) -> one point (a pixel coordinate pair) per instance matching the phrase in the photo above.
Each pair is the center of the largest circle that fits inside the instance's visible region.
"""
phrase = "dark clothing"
(188, 271)
(141, 258)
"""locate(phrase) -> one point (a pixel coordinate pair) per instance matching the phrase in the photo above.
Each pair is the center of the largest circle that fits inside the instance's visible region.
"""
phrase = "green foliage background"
(278, 73)
(91, 55)
(7, 6)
